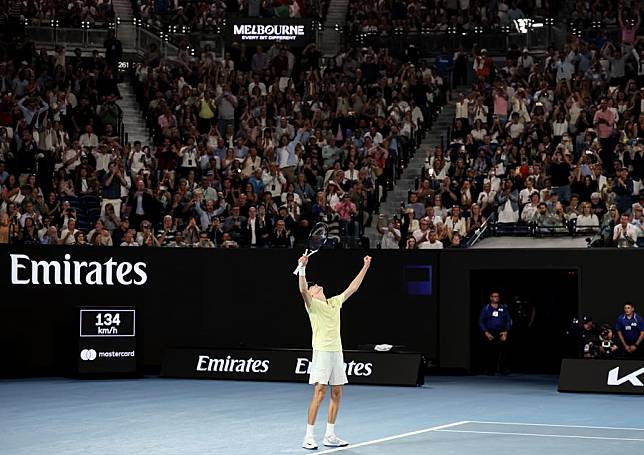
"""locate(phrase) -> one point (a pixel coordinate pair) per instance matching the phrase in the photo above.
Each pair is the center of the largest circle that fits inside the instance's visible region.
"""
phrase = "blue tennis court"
(449, 415)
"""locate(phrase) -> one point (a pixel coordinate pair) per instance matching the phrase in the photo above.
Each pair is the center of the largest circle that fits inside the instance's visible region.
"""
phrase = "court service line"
(555, 425)
(391, 438)
(541, 435)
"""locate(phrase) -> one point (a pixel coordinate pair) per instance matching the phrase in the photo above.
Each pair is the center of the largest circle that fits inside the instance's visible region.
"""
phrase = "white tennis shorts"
(327, 367)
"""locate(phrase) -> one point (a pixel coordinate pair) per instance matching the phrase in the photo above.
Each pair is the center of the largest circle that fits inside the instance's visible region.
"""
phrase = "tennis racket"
(317, 239)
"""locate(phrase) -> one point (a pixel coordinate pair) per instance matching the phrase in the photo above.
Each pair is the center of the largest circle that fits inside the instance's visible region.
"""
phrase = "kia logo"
(614, 379)
(88, 354)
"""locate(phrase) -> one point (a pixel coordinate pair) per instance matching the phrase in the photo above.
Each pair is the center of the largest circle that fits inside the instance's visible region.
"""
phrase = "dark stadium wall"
(607, 278)
(214, 298)
(244, 298)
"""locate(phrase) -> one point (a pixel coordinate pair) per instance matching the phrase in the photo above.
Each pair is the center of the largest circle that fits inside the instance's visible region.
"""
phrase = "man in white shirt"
(188, 155)
(421, 234)
(88, 138)
(625, 234)
(432, 242)
(103, 157)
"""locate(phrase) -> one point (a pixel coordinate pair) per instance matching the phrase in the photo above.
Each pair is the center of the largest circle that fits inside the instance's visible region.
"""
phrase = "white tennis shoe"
(309, 443)
(334, 441)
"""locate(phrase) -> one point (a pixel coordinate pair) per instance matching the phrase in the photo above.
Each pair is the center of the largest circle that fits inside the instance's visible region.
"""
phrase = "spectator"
(624, 233)
(390, 233)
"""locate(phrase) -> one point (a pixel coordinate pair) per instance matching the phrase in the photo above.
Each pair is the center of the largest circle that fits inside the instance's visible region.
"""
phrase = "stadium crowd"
(396, 16)
(248, 150)
(209, 14)
(546, 144)
(68, 13)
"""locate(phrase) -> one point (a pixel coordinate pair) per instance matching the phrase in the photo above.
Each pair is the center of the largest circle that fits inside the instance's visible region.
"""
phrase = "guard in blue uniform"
(630, 331)
(495, 323)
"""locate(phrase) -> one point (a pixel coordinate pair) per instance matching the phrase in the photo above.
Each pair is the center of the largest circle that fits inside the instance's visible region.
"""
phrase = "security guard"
(630, 331)
(495, 323)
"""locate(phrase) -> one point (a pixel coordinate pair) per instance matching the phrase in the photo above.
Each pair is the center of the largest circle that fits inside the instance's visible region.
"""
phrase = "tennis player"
(327, 366)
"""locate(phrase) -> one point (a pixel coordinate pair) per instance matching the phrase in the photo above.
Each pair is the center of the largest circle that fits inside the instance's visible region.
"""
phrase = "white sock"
(330, 429)
(309, 430)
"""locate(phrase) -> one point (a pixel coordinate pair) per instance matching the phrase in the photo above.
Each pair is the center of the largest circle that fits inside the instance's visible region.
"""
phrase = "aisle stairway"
(407, 181)
(330, 39)
(126, 29)
(133, 120)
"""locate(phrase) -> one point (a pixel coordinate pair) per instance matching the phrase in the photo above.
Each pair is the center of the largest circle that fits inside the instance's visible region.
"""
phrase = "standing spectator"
(112, 183)
(226, 105)
(113, 49)
(494, 323)
(630, 331)
(390, 234)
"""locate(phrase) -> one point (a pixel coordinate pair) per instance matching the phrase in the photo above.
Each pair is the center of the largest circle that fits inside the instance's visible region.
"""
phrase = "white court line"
(554, 425)
(391, 438)
(541, 435)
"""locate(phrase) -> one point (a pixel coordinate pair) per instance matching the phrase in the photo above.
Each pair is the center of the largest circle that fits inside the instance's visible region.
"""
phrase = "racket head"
(318, 236)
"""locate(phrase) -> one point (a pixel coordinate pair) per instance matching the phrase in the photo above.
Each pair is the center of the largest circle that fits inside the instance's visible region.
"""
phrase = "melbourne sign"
(258, 31)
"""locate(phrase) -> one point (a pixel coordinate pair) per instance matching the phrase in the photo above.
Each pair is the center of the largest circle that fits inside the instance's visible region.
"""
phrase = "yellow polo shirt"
(325, 323)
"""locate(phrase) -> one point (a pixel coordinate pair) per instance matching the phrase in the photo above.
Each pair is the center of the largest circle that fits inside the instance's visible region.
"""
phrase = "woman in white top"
(587, 221)
(559, 126)
(479, 132)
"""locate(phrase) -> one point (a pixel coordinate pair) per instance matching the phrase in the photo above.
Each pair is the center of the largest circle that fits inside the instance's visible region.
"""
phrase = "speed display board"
(107, 340)
(107, 322)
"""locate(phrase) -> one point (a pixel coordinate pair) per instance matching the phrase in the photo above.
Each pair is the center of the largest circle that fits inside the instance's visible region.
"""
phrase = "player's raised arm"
(357, 281)
(304, 289)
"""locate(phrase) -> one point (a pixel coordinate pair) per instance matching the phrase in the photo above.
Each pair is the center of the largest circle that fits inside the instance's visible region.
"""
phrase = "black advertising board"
(258, 31)
(107, 340)
(603, 376)
(362, 367)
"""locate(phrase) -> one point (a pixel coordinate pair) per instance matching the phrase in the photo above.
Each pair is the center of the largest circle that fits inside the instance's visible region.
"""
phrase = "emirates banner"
(361, 367)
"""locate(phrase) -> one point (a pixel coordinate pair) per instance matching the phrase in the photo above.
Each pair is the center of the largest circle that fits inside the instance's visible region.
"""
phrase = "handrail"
(480, 231)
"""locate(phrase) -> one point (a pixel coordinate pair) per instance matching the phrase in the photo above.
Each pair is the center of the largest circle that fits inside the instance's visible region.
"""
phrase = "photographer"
(188, 155)
(608, 348)
(587, 339)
